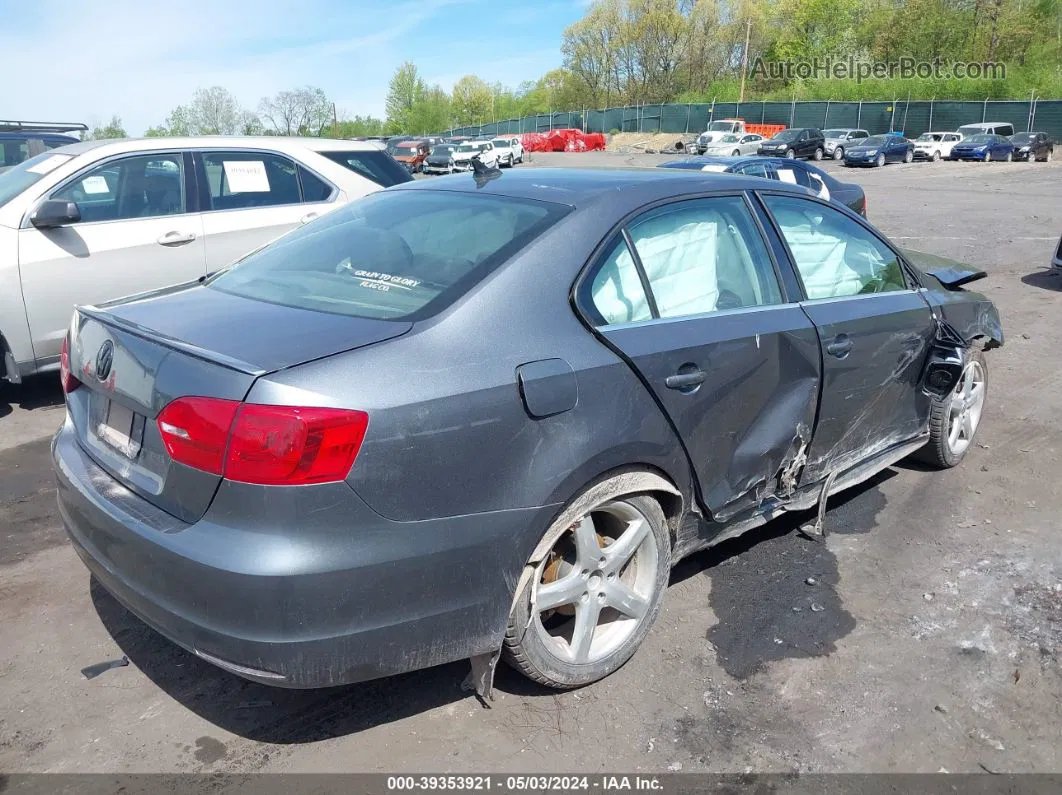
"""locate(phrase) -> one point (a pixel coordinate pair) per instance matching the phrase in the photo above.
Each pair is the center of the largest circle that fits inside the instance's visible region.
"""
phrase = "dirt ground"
(930, 640)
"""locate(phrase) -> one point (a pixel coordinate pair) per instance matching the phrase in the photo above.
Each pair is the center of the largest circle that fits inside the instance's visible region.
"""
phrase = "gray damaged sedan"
(484, 416)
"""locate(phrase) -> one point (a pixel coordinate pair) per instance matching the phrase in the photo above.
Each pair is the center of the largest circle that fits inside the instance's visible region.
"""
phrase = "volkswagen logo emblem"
(104, 360)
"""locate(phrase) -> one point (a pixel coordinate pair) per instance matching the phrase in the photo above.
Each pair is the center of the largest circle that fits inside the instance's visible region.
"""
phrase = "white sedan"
(510, 150)
(98, 220)
(735, 144)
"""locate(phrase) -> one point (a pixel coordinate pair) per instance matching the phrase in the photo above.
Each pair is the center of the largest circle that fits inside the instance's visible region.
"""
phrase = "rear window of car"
(391, 256)
(377, 166)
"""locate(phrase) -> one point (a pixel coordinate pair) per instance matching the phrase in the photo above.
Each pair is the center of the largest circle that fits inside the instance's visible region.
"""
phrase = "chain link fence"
(909, 117)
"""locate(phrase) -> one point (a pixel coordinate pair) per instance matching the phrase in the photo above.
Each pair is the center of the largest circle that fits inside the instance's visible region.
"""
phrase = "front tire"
(988, 157)
(936, 156)
(592, 598)
(879, 161)
(790, 154)
(954, 419)
(736, 153)
(1009, 157)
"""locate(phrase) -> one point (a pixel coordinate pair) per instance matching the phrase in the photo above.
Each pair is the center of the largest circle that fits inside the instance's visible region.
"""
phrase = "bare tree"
(303, 111)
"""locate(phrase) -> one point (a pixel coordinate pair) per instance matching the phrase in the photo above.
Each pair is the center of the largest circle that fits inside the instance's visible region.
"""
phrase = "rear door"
(874, 329)
(138, 232)
(252, 197)
(689, 295)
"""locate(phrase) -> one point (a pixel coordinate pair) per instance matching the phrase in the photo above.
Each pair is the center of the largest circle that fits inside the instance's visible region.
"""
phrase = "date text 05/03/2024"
(524, 783)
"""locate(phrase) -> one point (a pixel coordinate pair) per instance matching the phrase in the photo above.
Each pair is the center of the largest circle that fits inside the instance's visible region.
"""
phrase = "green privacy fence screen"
(910, 117)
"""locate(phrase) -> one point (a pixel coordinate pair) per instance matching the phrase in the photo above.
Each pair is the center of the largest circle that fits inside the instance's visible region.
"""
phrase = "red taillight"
(66, 378)
(195, 431)
(268, 445)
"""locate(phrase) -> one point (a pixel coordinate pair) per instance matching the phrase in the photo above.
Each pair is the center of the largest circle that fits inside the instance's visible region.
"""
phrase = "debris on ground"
(92, 671)
(811, 581)
(816, 607)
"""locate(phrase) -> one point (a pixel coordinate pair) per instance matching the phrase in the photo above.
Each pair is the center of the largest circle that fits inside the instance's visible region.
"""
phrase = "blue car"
(877, 150)
(21, 140)
(983, 147)
(782, 169)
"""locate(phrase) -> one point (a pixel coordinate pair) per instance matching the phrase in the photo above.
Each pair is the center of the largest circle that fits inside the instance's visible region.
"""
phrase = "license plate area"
(118, 427)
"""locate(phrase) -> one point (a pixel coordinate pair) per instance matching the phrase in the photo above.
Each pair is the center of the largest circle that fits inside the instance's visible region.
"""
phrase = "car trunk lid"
(136, 357)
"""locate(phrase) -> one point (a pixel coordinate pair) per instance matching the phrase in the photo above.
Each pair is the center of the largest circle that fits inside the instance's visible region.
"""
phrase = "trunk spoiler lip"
(180, 345)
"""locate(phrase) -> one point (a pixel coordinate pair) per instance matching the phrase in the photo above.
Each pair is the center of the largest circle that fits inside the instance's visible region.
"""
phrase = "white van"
(987, 128)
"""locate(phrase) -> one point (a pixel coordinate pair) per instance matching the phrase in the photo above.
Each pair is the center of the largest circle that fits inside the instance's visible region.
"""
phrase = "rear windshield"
(17, 178)
(378, 166)
(400, 255)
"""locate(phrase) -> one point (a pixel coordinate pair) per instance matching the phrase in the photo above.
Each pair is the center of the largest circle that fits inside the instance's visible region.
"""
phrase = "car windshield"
(442, 149)
(929, 137)
(729, 139)
(393, 146)
(874, 140)
(17, 178)
(467, 148)
(980, 139)
(834, 133)
(721, 126)
(393, 255)
(501, 142)
(1023, 138)
(787, 135)
(374, 165)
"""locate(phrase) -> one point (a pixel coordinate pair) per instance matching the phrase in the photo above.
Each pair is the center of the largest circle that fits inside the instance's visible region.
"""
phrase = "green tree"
(404, 93)
(471, 100)
(113, 129)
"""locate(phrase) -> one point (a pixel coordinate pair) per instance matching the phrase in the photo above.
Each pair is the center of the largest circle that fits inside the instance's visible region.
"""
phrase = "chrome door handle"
(685, 380)
(308, 217)
(176, 239)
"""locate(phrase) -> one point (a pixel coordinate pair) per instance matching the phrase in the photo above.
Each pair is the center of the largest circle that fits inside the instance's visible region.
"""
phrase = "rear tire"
(947, 446)
(818, 154)
(909, 157)
(1009, 157)
(582, 581)
(736, 153)
(936, 156)
(988, 157)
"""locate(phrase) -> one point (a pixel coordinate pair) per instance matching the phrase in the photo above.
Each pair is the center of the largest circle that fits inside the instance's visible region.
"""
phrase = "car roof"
(21, 136)
(277, 143)
(583, 187)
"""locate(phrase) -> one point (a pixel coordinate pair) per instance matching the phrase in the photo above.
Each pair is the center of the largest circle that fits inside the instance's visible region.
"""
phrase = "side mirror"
(52, 213)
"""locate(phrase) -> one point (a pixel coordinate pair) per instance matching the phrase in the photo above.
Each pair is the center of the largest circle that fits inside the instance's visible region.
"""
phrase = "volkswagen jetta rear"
(214, 502)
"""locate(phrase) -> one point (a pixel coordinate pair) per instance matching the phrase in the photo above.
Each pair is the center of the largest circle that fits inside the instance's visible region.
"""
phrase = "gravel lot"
(939, 645)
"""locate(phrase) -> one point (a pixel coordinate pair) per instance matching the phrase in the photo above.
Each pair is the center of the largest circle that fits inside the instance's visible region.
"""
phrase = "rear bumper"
(301, 587)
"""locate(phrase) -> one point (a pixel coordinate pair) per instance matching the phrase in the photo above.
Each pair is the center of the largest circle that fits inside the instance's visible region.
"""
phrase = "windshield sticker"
(49, 164)
(95, 185)
(246, 176)
(383, 282)
(786, 175)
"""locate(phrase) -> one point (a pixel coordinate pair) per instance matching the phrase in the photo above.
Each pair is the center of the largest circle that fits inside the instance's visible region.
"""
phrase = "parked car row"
(857, 147)
(433, 155)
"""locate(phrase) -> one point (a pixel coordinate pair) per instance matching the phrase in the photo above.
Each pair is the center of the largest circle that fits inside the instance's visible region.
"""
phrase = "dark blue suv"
(21, 140)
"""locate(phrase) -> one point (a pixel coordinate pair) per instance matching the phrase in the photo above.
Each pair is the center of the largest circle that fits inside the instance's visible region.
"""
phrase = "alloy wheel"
(964, 411)
(596, 584)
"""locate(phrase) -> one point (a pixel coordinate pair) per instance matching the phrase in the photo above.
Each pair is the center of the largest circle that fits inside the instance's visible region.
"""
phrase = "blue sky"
(71, 61)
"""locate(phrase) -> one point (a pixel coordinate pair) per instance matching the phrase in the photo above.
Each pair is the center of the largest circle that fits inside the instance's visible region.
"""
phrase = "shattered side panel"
(871, 394)
(754, 411)
(969, 313)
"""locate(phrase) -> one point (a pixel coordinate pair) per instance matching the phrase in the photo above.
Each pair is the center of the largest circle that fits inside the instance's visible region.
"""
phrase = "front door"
(874, 331)
(135, 234)
(695, 306)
